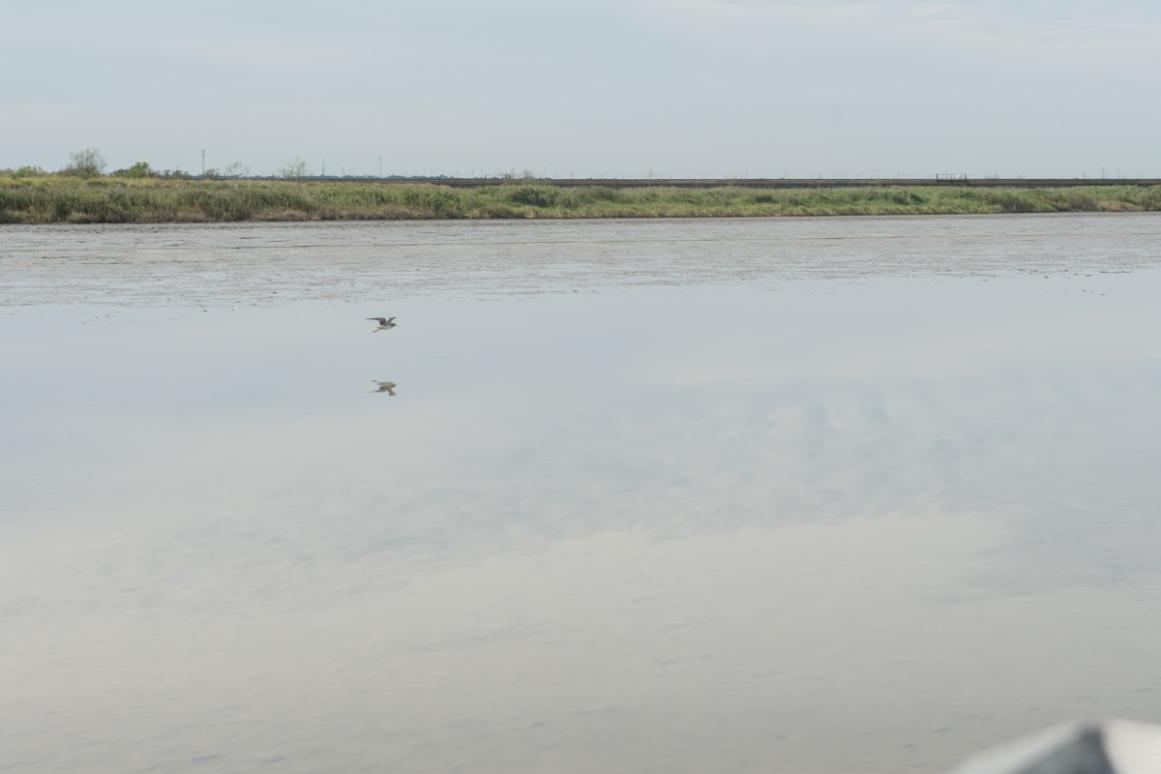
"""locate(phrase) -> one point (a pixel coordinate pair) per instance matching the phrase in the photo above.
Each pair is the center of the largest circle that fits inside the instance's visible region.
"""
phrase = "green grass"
(60, 199)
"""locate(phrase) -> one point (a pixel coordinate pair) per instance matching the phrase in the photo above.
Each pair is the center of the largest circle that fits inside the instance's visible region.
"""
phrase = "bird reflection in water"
(387, 387)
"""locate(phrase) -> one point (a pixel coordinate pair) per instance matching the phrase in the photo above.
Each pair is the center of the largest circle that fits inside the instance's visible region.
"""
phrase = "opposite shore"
(46, 199)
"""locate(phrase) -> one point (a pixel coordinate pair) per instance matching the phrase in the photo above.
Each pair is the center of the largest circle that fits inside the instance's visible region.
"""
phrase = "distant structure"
(951, 177)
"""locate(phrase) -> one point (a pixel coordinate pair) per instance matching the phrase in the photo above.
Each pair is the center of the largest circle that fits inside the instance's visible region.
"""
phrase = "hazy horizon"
(677, 88)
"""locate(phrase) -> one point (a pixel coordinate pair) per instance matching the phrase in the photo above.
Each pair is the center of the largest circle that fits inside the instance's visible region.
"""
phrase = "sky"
(624, 88)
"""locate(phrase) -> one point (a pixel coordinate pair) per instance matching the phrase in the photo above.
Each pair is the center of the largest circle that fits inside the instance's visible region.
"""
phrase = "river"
(803, 495)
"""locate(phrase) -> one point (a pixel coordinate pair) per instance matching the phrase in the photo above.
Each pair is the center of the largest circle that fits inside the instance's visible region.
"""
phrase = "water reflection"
(841, 526)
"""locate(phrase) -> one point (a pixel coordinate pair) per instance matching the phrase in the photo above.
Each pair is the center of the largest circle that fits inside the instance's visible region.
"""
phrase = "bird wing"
(380, 320)
(389, 319)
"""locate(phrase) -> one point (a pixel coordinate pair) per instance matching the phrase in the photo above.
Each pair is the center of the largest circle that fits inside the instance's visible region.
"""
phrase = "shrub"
(88, 162)
(27, 171)
(294, 168)
(140, 169)
(236, 169)
(535, 195)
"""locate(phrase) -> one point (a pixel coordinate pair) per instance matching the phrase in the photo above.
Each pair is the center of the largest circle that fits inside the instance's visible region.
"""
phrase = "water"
(775, 495)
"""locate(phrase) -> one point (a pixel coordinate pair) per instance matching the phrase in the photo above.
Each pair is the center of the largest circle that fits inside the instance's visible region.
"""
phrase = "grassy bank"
(60, 199)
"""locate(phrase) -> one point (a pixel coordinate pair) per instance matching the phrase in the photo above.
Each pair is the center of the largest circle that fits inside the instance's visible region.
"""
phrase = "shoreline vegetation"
(55, 198)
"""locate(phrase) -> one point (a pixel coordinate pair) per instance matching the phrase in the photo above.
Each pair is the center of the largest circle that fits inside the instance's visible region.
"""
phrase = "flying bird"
(387, 387)
(385, 323)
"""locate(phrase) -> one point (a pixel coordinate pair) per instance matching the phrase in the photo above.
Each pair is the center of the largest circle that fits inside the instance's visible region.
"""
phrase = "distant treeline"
(742, 182)
(55, 198)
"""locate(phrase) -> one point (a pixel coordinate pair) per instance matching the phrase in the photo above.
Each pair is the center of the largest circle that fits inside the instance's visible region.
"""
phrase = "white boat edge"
(1103, 747)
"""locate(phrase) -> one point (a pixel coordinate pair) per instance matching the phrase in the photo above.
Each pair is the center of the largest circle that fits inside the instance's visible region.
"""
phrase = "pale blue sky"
(673, 87)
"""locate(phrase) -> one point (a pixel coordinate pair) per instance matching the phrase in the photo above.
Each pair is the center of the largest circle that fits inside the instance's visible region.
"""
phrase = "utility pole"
(203, 162)
(380, 166)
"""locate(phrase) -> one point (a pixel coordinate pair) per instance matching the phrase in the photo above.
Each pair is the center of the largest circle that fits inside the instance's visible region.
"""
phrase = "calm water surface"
(829, 495)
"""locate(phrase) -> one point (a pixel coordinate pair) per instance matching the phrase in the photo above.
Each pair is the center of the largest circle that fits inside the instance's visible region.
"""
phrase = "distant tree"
(236, 169)
(88, 162)
(294, 168)
(140, 169)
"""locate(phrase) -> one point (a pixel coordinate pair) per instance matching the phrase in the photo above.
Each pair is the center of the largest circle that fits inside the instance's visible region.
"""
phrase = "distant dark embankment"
(60, 199)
